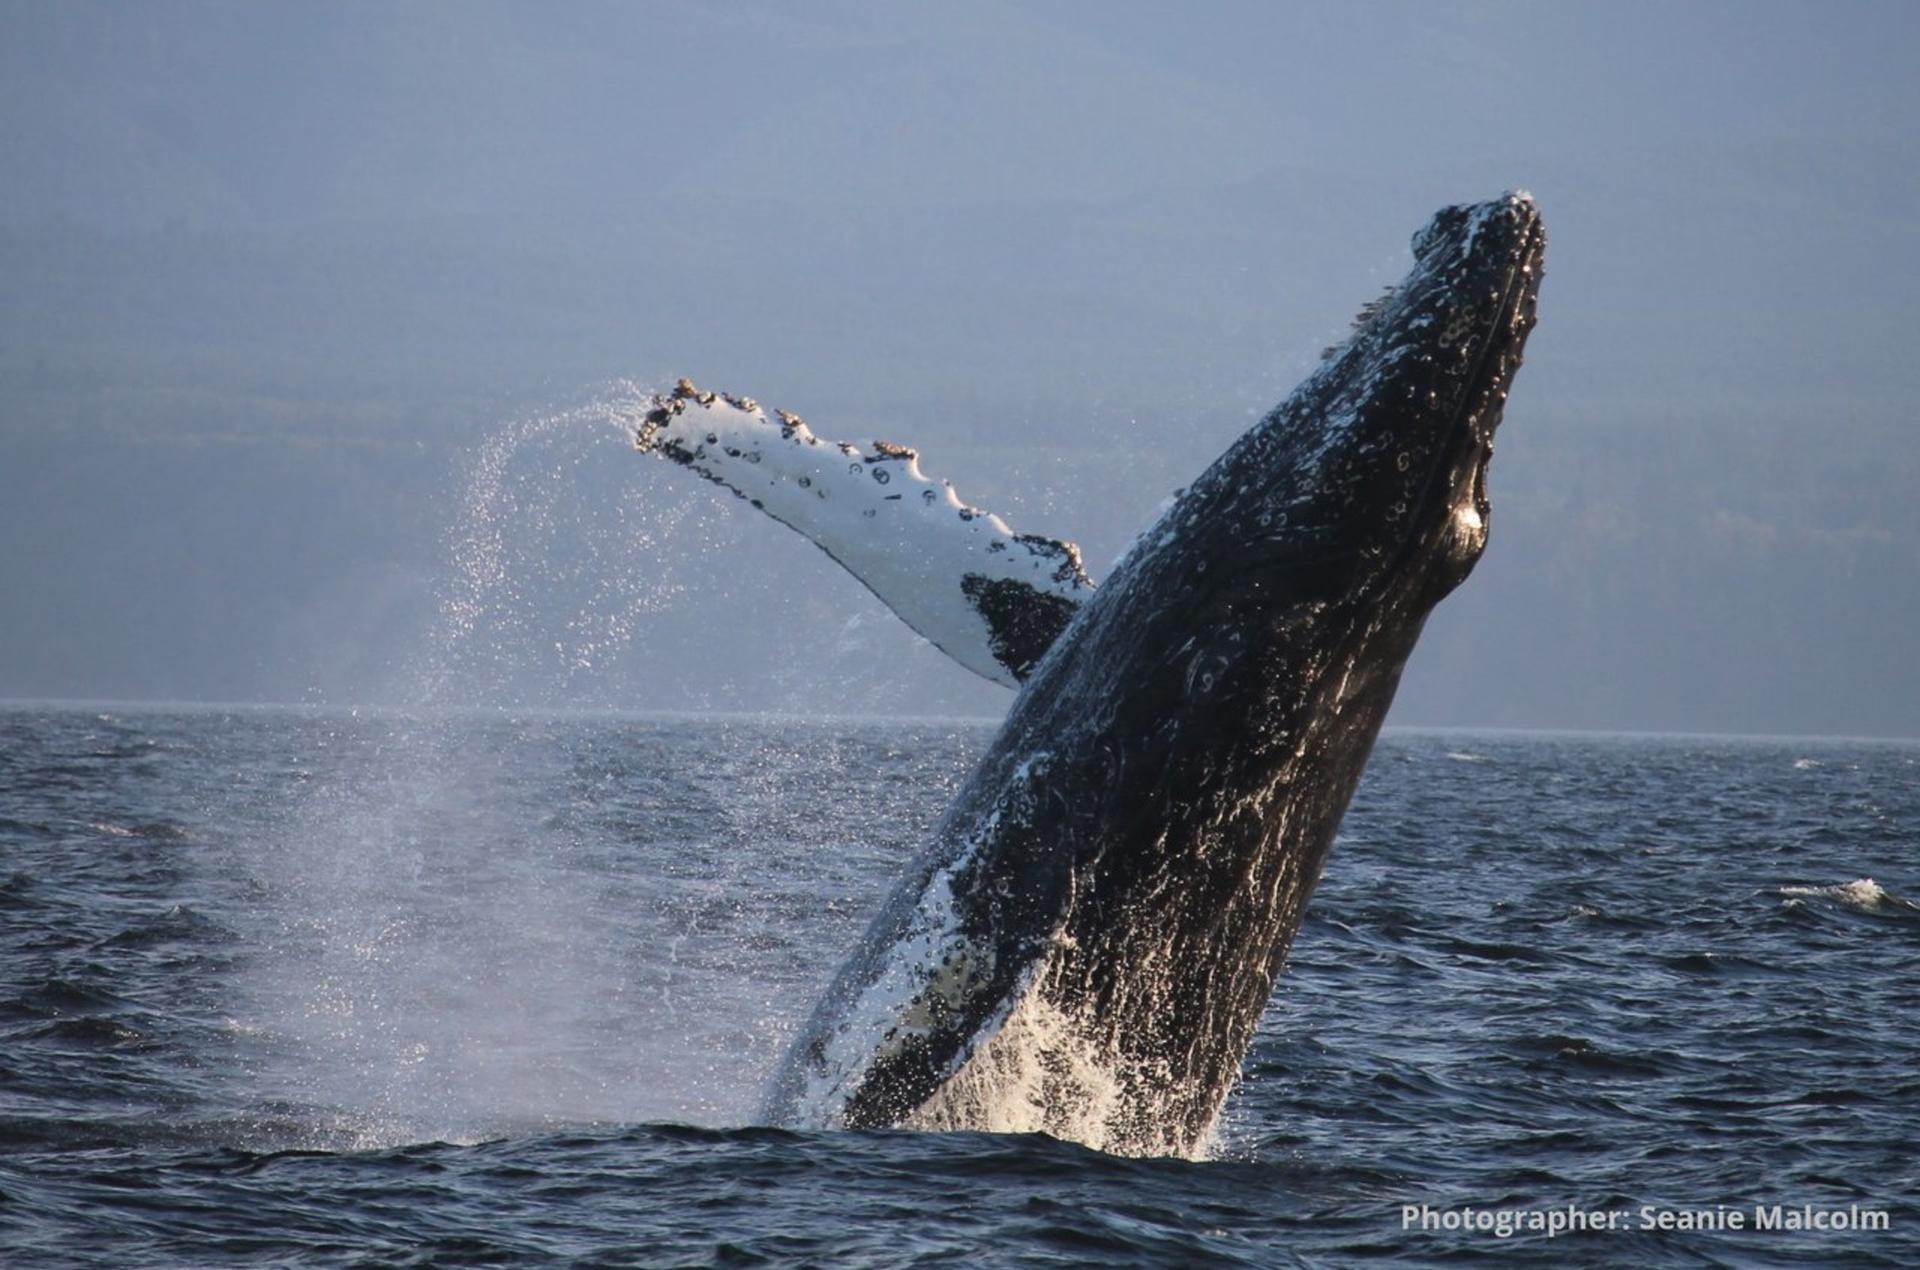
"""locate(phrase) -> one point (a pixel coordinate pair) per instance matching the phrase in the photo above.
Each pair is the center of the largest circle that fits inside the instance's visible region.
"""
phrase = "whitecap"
(1864, 894)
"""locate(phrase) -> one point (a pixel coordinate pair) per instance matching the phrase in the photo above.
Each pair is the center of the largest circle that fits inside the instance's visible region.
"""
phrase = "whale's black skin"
(1131, 858)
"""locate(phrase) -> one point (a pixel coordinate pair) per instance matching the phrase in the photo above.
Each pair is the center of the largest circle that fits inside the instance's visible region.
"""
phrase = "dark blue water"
(303, 988)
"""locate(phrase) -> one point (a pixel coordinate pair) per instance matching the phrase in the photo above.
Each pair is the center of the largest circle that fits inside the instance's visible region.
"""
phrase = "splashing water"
(1862, 894)
(556, 554)
(437, 961)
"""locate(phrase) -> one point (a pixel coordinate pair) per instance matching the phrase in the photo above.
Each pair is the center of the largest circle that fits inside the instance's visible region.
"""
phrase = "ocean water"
(309, 988)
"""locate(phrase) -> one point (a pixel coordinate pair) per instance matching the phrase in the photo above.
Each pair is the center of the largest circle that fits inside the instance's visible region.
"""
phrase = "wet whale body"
(1086, 945)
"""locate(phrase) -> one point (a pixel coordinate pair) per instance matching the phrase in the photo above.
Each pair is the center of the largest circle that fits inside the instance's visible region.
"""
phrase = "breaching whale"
(1087, 943)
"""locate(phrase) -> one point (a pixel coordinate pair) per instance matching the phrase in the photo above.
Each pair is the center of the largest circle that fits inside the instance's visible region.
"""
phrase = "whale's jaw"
(1087, 945)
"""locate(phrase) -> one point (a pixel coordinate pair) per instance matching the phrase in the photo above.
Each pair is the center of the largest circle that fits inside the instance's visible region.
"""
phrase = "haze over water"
(274, 277)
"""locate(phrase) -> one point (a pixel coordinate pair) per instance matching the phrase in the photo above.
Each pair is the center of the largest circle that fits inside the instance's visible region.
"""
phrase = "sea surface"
(322, 988)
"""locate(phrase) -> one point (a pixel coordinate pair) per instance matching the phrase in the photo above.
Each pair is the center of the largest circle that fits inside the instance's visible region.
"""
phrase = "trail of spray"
(544, 574)
(439, 965)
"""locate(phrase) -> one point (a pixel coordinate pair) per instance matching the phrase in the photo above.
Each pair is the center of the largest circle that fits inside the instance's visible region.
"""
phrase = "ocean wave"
(1862, 894)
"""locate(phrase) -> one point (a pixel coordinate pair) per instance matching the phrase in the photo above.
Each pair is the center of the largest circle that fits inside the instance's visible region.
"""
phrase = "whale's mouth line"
(1477, 392)
(1523, 276)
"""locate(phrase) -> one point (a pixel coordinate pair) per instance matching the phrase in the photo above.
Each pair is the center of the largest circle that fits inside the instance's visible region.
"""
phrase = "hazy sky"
(276, 273)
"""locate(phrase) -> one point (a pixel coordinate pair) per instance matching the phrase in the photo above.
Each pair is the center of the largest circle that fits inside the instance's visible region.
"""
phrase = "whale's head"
(1377, 478)
(1368, 486)
(1309, 554)
(1450, 342)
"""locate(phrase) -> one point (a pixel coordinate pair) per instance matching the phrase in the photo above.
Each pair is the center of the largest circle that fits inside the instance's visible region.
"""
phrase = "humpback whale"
(1086, 944)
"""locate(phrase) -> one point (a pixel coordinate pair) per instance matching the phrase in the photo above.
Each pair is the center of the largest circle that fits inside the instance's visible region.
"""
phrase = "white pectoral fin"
(992, 599)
